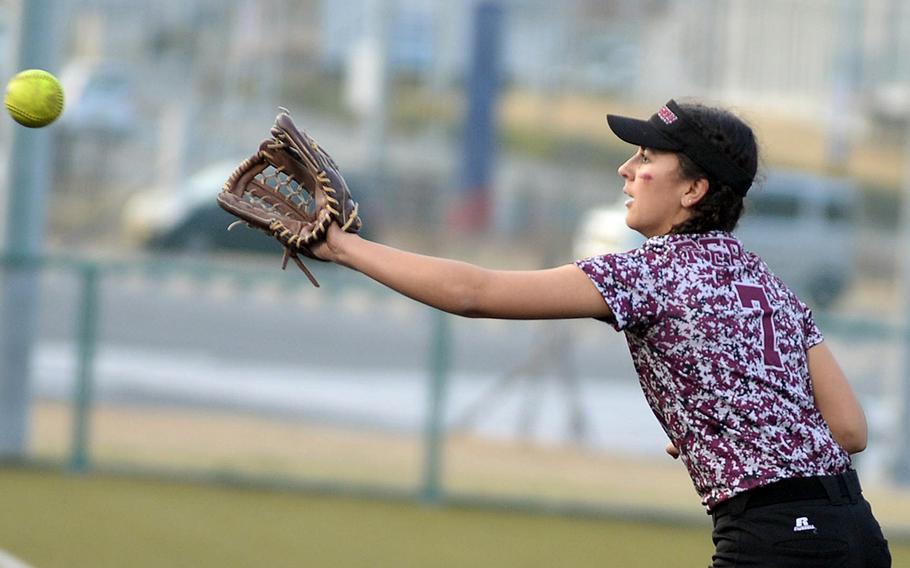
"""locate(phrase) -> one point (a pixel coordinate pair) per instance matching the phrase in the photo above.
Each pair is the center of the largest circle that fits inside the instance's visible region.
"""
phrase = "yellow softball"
(34, 98)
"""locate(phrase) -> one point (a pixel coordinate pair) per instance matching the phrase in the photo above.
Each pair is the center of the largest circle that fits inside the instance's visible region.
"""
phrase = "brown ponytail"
(722, 206)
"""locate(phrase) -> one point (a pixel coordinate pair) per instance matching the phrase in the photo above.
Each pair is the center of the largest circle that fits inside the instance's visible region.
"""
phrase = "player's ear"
(695, 191)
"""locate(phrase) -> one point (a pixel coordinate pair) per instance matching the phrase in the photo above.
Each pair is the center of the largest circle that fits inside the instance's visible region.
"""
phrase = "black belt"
(840, 488)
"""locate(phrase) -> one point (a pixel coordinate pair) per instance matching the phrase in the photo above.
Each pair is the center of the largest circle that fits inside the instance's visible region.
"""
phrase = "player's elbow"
(459, 297)
(470, 311)
(854, 441)
(858, 446)
(471, 305)
(465, 307)
(852, 436)
(472, 297)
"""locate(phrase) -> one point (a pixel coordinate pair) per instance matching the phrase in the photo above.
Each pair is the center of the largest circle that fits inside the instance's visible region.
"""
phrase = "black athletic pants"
(800, 522)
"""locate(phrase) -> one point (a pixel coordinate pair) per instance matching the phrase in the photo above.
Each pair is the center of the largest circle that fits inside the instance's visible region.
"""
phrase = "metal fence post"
(87, 338)
(30, 170)
(900, 466)
(440, 351)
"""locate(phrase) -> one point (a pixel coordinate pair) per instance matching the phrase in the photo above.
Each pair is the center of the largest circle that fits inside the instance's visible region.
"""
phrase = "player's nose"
(625, 171)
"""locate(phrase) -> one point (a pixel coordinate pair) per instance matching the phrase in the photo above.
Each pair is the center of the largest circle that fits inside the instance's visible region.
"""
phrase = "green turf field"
(52, 519)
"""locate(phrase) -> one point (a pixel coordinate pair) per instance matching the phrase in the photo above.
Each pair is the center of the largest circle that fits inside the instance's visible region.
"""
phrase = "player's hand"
(330, 248)
(672, 450)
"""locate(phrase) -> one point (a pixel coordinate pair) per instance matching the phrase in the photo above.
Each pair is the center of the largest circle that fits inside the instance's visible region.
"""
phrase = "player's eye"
(643, 157)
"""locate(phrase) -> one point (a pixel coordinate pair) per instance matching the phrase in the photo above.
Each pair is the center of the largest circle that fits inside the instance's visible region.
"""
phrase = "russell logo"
(666, 115)
(802, 524)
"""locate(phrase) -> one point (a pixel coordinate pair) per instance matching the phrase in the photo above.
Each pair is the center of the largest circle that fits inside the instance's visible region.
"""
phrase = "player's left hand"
(329, 249)
(672, 450)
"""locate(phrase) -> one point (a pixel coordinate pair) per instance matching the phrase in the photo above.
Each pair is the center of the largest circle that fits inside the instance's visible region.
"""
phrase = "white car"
(801, 224)
(188, 218)
(160, 217)
(603, 230)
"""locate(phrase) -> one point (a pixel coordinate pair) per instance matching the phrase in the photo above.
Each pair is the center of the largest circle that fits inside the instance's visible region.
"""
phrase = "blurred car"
(800, 223)
(188, 218)
(803, 225)
(603, 230)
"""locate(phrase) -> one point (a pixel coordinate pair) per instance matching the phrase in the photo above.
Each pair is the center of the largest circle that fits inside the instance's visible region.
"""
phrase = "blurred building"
(782, 53)
(778, 52)
(801, 57)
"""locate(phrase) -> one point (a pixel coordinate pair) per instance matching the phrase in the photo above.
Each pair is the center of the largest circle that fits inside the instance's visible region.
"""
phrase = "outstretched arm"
(465, 289)
(836, 400)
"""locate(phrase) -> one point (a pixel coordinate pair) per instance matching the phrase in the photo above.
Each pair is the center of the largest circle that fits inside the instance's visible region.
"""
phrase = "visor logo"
(666, 115)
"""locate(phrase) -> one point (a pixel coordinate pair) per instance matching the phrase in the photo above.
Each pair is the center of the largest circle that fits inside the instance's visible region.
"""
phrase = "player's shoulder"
(758, 272)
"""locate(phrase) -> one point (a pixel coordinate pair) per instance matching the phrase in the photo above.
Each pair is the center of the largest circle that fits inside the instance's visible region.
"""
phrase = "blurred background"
(140, 338)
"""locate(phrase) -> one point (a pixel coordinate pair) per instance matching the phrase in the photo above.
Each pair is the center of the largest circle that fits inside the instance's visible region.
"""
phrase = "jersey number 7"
(755, 297)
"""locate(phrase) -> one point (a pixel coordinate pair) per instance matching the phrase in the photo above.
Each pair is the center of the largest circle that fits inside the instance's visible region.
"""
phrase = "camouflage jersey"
(719, 344)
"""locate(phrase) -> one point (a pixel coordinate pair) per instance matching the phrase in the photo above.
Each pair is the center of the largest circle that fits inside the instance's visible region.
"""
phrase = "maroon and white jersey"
(719, 343)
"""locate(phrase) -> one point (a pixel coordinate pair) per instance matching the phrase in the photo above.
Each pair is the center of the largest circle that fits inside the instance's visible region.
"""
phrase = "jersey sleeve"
(811, 334)
(629, 284)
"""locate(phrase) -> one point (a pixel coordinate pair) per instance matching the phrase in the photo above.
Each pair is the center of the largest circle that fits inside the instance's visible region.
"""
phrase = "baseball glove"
(291, 189)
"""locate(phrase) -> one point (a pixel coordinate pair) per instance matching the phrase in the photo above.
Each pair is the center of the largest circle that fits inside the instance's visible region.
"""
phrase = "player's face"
(656, 192)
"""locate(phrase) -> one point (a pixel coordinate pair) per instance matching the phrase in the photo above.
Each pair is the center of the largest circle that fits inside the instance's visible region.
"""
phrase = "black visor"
(670, 129)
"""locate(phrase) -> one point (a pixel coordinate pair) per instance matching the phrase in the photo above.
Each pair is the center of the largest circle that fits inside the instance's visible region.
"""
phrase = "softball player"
(729, 359)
